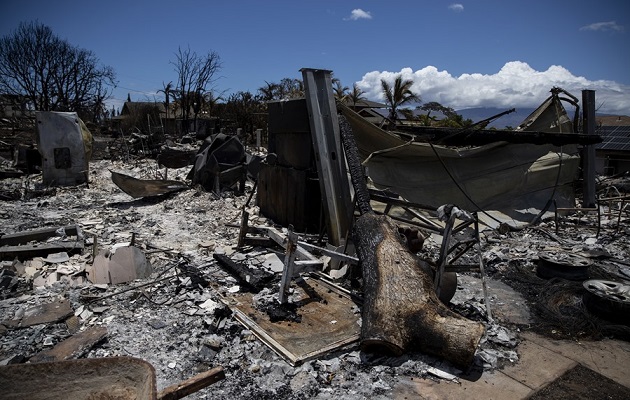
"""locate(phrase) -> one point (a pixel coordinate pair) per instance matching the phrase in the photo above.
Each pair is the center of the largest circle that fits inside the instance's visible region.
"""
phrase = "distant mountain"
(513, 119)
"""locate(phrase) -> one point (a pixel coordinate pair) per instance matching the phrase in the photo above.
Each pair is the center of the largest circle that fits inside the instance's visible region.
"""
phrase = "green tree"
(455, 120)
(355, 96)
(52, 74)
(245, 110)
(433, 106)
(397, 95)
(210, 102)
(291, 88)
(437, 107)
(339, 91)
(286, 89)
(269, 91)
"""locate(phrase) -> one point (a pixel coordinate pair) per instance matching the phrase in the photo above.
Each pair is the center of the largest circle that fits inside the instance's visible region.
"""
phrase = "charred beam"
(253, 280)
(480, 137)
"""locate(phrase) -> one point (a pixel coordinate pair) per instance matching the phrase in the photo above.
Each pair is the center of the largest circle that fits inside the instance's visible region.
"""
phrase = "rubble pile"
(176, 316)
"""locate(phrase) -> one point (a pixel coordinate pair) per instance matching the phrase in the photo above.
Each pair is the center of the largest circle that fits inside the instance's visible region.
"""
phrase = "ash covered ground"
(175, 320)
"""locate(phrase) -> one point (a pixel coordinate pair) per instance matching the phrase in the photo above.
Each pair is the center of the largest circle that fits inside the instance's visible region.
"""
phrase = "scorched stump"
(401, 312)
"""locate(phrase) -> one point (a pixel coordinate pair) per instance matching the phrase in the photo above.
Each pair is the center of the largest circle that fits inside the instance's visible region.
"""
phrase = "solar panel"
(614, 138)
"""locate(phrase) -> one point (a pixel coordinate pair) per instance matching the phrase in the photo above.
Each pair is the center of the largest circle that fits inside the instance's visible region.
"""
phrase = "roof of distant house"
(613, 120)
(130, 106)
(365, 103)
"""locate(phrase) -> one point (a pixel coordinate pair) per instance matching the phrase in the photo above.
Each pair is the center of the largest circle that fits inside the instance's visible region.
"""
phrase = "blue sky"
(463, 54)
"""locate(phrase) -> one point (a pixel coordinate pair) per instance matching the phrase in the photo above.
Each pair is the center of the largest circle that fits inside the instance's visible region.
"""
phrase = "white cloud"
(515, 85)
(456, 7)
(358, 13)
(603, 26)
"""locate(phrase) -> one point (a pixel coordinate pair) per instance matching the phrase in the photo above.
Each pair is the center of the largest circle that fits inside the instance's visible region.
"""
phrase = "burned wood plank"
(13, 239)
(480, 137)
(73, 347)
(328, 321)
(88, 378)
(42, 314)
(252, 279)
(192, 385)
(39, 250)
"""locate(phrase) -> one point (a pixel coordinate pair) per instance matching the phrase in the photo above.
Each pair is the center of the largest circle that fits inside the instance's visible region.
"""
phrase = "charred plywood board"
(73, 347)
(328, 322)
(18, 245)
(42, 314)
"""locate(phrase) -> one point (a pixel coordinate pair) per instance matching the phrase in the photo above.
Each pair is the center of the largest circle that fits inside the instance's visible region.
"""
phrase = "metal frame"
(329, 155)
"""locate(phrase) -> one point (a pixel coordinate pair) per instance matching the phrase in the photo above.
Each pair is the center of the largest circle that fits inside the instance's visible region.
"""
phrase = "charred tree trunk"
(401, 311)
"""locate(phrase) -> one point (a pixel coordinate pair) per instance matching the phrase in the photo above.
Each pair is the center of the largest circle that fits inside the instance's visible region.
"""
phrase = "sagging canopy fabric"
(505, 183)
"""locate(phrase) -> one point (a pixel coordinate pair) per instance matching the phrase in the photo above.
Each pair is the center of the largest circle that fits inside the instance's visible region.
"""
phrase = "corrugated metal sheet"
(615, 138)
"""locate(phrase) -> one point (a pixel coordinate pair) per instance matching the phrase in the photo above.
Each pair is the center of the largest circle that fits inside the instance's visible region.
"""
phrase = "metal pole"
(588, 152)
(329, 156)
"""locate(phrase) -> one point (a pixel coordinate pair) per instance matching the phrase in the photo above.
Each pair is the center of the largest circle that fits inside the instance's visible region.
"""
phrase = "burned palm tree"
(269, 91)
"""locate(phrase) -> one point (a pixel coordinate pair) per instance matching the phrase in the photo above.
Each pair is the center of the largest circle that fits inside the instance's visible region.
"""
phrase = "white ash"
(176, 325)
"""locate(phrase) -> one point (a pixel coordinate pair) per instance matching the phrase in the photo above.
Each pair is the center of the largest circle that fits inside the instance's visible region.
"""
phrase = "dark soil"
(581, 383)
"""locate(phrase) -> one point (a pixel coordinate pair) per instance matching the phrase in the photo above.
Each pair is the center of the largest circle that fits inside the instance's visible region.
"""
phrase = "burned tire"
(555, 264)
(608, 299)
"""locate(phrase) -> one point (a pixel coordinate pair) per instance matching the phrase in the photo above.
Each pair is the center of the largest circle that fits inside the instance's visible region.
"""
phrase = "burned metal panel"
(290, 134)
(329, 156)
(289, 196)
(589, 196)
(61, 143)
(146, 187)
